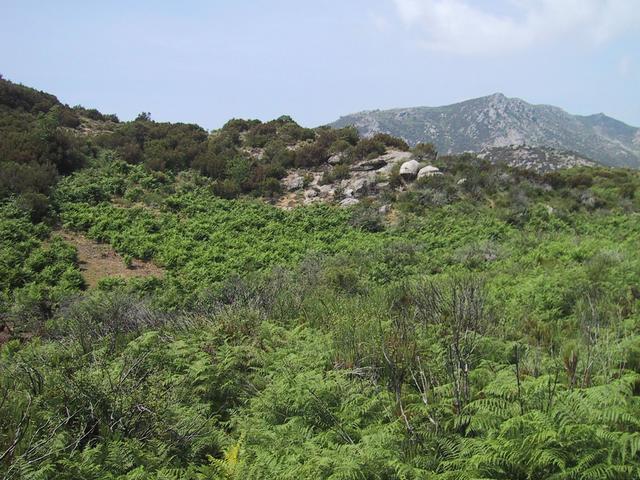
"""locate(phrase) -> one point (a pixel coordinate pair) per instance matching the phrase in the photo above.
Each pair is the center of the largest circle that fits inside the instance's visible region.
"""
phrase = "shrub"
(369, 148)
(35, 204)
(311, 155)
(366, 217)
(227, 188)
(270, 186)
(424, 152)
(391, 141)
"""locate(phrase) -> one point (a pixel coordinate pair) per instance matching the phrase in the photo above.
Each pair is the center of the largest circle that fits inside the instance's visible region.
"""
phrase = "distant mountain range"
(497, 121)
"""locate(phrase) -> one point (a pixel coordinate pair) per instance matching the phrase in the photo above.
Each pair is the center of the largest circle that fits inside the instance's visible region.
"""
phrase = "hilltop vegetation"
(484, 324)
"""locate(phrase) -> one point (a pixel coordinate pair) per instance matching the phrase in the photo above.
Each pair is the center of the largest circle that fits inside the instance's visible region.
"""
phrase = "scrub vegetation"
(486, 326)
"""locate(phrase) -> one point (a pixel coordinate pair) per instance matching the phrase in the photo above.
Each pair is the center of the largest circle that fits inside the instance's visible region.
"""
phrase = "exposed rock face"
(368, 177)
(360, 187)
(293, 181)
(540, 159)
(392, 158)
(327, 191)
(498, 121)
(409, 170)
(428, 171)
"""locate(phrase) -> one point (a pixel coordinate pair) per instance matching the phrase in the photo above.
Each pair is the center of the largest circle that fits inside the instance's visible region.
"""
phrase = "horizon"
(205, 64)
(341, 115)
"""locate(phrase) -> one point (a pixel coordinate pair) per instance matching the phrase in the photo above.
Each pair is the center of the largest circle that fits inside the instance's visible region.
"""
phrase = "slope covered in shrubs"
(484, 324)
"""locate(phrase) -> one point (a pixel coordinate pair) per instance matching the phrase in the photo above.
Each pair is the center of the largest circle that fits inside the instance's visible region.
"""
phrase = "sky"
(208, 61)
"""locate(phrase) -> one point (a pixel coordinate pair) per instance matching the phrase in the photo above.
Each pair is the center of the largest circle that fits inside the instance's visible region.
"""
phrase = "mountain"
(498, 121)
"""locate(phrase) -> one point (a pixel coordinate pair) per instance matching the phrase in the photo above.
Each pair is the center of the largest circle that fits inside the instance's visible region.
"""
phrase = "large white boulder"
(429, 171)
(409, 170)
(393, 158)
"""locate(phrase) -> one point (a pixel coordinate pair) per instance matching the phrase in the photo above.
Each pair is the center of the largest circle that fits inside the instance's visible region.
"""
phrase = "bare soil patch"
(288, 201)
(98, 261)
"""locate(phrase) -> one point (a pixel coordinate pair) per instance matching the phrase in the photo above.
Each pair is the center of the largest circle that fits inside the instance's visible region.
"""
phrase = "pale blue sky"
(208, 61)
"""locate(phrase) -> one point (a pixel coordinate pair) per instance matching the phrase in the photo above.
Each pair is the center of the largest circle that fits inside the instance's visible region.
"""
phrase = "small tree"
(424, 152)
(143, 117)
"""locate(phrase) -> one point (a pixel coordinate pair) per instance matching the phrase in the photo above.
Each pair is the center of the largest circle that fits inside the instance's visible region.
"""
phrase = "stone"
(369, 165)
(360, 186)
(327, 191)
(293, 181)
(588, 199)
(310, 194)
(409, 170)
(334, 159)
(349, 202)
(393, 158)
(429, 171)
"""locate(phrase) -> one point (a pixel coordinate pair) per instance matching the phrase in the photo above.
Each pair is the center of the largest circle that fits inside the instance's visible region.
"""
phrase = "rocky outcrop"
(369, 165)
(366, 178)
(293, 181)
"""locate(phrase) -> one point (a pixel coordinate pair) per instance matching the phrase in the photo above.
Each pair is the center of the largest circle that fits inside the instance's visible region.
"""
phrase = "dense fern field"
(483, 338)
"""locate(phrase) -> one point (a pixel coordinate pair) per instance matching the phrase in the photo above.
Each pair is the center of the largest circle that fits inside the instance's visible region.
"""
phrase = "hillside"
(498, 121)
(271, 301)
(540, 159)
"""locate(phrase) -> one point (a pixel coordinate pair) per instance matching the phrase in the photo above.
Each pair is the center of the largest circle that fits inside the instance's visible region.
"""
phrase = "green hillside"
(481, 323)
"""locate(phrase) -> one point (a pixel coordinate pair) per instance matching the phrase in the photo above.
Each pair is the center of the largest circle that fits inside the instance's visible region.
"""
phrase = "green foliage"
(424, 152)
(486, 327)
(35, 144)
(34, 275)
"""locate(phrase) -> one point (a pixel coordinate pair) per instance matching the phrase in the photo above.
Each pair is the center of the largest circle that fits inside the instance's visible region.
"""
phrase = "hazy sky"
(208, 61)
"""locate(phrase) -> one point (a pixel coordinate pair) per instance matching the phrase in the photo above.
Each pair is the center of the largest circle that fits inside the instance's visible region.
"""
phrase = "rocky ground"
(540, 159)
(348, 184)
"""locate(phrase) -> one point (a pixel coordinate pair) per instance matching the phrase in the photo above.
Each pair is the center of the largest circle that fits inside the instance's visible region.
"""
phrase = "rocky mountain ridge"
(497, 121)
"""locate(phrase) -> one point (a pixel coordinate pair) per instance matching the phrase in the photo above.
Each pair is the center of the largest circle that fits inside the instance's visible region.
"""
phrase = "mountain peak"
(498, 96)
(497, 121)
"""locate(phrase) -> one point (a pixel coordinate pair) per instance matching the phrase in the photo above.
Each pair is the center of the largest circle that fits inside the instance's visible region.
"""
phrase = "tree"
(424, 152)
(143, 117)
